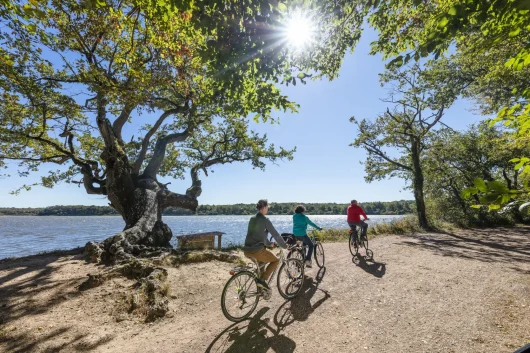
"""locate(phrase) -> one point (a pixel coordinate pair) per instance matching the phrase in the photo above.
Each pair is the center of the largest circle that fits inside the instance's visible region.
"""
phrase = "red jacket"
(354, 213)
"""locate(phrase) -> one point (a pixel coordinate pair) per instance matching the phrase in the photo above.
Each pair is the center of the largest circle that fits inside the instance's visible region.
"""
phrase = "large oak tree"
(75, 76)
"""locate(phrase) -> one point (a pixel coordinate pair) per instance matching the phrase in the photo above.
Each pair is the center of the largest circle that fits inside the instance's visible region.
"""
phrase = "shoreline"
(185, 215)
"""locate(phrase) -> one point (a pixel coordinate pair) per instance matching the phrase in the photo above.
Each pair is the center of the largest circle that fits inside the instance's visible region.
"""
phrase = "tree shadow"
(299, 308)
(30, 277)
(252, 335)
(376, 269)
(23, 342)
(510, 246)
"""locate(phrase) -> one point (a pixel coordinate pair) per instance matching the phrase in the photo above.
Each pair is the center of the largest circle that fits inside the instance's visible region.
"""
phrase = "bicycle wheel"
(319, 254)
(364, 243)
(353, 250)
(240, 296)
(290, 278)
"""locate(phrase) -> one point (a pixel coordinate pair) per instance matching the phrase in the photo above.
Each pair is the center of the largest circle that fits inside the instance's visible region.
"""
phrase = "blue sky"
(324, 169)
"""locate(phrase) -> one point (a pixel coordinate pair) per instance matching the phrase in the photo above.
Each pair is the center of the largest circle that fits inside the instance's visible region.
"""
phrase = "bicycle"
(299, 250)
(245, 296)
(361, 243)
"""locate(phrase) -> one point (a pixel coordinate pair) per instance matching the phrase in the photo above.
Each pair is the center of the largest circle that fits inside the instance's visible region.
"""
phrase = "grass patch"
(405, 225)
(232, 247)
(333, 235)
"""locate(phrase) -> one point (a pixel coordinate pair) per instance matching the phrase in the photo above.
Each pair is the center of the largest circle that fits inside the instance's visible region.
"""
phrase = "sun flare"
(299, 30)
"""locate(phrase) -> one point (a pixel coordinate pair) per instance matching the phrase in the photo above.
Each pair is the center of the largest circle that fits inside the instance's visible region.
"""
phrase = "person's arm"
(275, 234)
(267, 243)
(311, 223)
(364, 214)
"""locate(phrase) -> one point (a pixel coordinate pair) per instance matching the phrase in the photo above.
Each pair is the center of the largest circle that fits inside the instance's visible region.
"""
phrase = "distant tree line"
(372, 208)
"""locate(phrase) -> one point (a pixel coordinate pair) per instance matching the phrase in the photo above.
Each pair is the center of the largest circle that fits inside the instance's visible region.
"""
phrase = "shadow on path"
(494, 245)
(257, 335)
(376, 269)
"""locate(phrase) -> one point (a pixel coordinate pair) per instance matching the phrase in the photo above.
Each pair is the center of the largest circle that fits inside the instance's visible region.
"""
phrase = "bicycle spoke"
(319, 254)
(290, 278)
(240, 296)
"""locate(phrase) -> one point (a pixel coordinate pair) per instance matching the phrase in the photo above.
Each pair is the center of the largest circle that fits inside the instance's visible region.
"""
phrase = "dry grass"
(405, 225)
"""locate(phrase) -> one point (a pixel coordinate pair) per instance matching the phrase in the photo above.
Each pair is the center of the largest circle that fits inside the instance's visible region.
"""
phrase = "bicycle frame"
(300, 244)
(312, 237)
(257, 271)
(358, 230)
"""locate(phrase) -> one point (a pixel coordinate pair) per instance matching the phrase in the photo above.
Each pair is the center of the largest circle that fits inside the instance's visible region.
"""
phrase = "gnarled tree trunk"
(139, 199)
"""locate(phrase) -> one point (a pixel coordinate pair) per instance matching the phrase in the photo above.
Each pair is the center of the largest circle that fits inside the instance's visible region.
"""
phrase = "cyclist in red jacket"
(354, 219)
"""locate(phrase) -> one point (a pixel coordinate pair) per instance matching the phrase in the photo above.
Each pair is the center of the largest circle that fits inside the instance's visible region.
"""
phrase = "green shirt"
(259, 227)
(300, 223)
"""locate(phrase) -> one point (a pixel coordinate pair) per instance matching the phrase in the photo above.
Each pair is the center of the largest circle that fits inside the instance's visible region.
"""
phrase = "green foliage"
(418, 106)
(372, 208)
(405, 128)
(491, 64)
(72, 74)
(466, 169)
(427, 27)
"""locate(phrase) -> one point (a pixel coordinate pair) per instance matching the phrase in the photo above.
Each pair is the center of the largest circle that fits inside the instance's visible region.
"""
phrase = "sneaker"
(308, 263)
(266, 294)
(262, 283)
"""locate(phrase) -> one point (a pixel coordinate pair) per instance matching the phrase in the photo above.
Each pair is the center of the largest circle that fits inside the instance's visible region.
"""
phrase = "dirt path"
(468, 291)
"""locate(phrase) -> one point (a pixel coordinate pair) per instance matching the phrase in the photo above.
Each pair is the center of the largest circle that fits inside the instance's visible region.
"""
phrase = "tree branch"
(171, 199)
(58, 159)
(120, 121)
(160, 151)
(436, 119)
(379, 153)
(147, 138)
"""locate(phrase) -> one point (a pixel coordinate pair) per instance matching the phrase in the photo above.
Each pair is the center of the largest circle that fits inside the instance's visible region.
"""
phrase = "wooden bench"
(199, 240)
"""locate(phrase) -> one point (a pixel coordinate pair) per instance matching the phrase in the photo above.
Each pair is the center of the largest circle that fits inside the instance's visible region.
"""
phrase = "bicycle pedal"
(266, 293)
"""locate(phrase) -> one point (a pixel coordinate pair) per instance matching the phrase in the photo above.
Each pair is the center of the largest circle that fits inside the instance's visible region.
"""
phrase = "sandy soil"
(466, 291)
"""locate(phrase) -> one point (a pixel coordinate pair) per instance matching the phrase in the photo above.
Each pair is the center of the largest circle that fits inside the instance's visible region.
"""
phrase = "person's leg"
(265, 255)
(307, 241)
(353, 226)
(364, 228)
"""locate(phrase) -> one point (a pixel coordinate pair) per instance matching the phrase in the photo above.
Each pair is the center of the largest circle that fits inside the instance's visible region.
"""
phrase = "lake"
(28, 235)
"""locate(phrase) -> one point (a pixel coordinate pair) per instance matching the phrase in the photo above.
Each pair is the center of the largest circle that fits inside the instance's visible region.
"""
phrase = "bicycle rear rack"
(259, 266)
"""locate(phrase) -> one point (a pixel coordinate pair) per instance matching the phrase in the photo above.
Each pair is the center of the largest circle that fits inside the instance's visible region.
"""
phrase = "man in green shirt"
(300, 223)
(256, 241)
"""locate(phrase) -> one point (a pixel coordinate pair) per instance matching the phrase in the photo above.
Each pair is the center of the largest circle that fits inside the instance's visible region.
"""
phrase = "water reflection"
(26, 235)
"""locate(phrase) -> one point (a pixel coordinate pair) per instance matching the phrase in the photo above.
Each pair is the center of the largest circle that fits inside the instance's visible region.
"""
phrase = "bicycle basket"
(289, 238)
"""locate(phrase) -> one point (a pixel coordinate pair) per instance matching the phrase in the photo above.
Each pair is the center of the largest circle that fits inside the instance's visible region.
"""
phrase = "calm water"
(27, 235)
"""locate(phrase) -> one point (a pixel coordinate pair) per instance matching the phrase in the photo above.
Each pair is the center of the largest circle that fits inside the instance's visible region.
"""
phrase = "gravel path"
(467, 291)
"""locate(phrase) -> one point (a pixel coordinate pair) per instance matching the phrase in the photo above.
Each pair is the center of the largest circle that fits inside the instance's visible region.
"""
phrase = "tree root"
(150, 295)
(150, 289)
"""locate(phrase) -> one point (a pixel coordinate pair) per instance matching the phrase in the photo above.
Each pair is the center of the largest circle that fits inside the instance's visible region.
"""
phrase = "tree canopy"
(457, 158)
(119, 92)
(67, 65)
(492, 53)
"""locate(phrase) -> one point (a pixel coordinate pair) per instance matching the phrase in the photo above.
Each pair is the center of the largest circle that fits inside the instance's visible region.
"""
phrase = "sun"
(299, 30)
